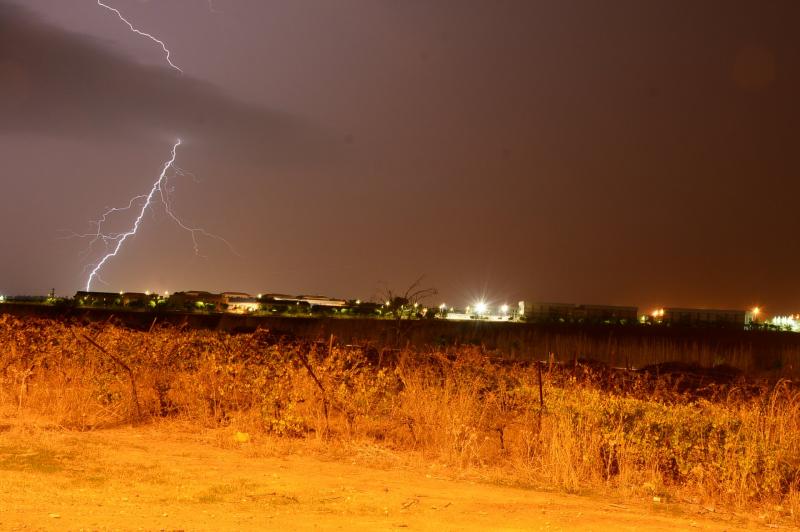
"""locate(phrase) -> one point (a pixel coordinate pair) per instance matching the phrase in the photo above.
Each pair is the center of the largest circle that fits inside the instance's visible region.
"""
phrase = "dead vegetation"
(712, 439)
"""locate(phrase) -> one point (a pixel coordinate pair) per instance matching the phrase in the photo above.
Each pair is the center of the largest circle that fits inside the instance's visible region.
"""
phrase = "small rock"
(55, 516)
(656, 499)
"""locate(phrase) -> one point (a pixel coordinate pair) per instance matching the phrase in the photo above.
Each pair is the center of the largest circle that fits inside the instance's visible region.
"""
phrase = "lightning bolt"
(142, 33)
(160, 191)
(157, 193)
(98, 234)
(124, 236)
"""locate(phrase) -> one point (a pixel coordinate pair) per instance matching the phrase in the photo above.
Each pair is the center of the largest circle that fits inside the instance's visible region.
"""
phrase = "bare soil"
(171, 478)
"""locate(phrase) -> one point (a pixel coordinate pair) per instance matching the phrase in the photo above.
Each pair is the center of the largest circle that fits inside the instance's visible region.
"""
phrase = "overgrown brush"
(454, 406)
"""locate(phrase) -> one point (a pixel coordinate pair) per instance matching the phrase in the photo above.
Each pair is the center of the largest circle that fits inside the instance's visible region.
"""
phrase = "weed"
(667, 432)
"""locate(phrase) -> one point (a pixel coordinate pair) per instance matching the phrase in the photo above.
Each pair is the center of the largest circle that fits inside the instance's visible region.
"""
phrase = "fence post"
(541, 392)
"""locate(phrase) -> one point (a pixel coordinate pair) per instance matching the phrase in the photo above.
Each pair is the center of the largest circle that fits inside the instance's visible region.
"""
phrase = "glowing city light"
(787, 323)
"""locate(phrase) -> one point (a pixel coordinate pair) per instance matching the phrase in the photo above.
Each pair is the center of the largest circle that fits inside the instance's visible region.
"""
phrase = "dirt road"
(164, 479)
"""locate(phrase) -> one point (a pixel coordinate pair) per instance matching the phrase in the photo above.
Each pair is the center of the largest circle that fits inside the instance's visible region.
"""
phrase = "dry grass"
(738, 446)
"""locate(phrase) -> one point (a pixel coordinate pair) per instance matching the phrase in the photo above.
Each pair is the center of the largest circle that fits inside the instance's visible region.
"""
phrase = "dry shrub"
(628, 435)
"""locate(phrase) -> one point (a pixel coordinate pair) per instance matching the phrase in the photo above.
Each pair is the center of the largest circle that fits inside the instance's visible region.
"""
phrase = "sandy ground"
(160, 478)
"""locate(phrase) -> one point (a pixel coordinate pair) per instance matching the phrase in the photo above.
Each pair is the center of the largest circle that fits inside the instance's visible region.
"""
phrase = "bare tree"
(410, 303)
(405, 307)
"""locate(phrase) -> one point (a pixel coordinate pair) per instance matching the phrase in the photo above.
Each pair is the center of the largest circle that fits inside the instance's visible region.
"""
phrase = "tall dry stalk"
(598, 429)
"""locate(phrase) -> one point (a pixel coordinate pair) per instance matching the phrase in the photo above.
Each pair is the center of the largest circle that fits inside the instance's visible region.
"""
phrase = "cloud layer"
(57, 83)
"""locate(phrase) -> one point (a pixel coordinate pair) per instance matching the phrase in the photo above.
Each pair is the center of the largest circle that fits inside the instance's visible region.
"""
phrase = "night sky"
(620, 152)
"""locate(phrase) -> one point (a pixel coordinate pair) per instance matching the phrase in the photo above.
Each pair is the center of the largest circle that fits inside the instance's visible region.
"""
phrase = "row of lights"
(659, 313)
(481, 308)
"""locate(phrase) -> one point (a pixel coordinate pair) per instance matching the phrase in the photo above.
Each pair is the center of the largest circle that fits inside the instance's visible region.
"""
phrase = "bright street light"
(480, 307)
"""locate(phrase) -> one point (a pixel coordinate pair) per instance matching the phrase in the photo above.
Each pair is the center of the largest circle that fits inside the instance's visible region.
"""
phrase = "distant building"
(694, 316)
(115, 299)
(279, 297)
(322, 301)
(569, 312)
(609, 312)
(196, 299)
(138, 299)
(534, 311)
(312, 300)
(240, 302)
(98, 299)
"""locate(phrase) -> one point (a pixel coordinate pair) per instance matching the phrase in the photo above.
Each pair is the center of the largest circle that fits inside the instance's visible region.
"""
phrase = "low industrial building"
(694, 316)
(609, 312)
(97, 299)
(196, 299)
(534, 311)
(323, 301)
(240, 302)
(311, 300)
(139, 299)
(570, 312)
(115, 299)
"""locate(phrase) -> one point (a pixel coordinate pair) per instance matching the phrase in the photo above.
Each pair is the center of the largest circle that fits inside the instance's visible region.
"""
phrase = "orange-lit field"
(172, 478)
(103, 427)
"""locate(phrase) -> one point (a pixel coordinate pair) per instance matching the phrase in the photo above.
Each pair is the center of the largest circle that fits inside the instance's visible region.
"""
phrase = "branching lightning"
(121, 238)
(98, 233)
(142, 33)
(158, 192)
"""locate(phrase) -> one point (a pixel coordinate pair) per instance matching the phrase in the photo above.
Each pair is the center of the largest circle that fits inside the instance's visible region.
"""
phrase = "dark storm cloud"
(57, 83)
